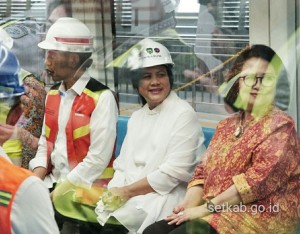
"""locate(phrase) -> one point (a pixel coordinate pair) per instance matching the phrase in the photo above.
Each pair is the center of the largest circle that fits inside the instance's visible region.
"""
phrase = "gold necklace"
(240, 128)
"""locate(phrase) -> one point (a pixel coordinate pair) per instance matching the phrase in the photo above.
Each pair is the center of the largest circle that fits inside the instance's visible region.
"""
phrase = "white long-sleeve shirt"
(162, 145)
(102, 133)
(32, 210)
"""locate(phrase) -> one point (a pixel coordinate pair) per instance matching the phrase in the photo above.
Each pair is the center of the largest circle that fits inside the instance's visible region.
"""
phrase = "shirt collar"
(79, 86)
(158, 109)
(154, 111)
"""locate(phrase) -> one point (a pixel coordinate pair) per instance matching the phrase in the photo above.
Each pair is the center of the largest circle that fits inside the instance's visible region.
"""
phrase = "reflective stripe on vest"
(9, 185)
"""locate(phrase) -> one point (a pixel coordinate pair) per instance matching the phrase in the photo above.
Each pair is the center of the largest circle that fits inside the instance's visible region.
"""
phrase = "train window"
(204, 37)
(19, 9)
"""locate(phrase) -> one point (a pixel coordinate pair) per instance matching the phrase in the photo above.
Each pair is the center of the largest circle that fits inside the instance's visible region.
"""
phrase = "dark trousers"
(191, 227)
(113, 229)
(83, 227)
(91, 228)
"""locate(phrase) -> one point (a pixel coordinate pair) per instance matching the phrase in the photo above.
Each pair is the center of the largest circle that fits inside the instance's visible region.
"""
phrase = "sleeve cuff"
(243, 188)
(38, 162)
(194, 183)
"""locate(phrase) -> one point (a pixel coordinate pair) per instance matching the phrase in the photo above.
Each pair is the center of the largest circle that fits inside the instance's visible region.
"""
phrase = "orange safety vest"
(11, 177)
(78, 126)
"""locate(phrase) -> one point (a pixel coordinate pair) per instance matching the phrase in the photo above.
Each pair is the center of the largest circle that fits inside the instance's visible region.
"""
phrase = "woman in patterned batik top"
(248, 179)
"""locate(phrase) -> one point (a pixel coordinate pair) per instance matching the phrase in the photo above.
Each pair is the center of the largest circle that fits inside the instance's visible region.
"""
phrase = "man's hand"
(114, 198)
(40, 172)
(7, 132)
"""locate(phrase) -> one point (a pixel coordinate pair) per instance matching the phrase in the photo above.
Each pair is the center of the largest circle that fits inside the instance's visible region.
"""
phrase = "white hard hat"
(68, 34)
(148, 53)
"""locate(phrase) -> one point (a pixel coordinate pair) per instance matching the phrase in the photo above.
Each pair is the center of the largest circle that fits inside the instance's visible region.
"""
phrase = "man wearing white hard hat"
(159, 150)
(79, 130)
(25, 206)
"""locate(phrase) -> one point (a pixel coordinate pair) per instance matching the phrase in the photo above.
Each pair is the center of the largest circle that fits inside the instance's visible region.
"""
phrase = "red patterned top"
(264, 165)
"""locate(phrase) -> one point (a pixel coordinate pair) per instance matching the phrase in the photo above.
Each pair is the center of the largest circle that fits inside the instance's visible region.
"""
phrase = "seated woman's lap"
(192, 227)
(160, 227)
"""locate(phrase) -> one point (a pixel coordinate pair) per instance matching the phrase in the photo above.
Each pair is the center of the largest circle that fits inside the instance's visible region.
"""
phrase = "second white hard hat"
(148, 53)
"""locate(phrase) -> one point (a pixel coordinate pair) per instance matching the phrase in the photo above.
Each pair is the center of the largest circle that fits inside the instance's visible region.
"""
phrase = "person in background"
(24, 117)
(159, 151)
(57, 9)
(26, 34)
(22, 208)
(202, 73)
(79, 130)
(248, 179)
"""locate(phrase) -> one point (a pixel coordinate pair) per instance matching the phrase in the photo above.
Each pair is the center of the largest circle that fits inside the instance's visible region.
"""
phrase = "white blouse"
(161, 144)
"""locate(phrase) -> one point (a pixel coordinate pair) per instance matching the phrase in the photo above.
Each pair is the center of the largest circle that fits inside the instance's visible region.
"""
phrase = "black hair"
(85, 60)
(137, 75)
(282, 98)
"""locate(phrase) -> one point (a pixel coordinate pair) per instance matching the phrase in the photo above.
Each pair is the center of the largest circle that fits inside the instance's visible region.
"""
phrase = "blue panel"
(208, 134)
(121, 132)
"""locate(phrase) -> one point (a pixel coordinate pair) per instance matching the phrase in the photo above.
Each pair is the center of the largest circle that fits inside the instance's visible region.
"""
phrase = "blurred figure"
(57, 9)
(26, 34)
(79, 130)
(248, 179)
(25, 113)
(205, 27)
(202, 73)
(149, 18)
(221, 46)
(25, 206)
